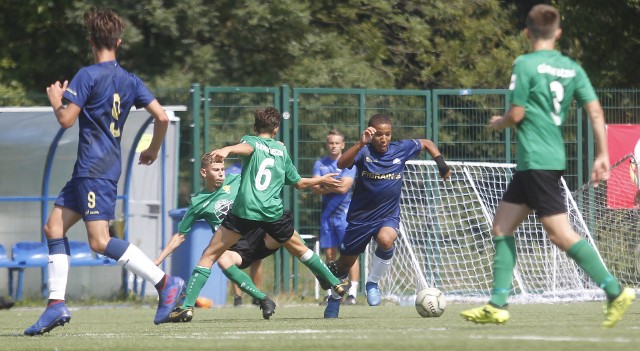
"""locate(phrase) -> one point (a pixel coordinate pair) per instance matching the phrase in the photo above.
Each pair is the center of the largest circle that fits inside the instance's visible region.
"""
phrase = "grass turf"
(540, 327)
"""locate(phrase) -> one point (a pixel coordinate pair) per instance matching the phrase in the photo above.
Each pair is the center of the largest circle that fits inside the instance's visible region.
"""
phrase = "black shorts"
(539, 189)
(280, 230)
(251, 247)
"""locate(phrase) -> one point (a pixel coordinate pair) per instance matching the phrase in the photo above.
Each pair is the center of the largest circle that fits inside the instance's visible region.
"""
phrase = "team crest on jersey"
(369, 159)
(226, 189)
(221, 208)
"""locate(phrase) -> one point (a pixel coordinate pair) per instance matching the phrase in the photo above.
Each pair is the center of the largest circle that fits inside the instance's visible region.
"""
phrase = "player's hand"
(147, 157)
(219, 155)
(600, 170)
(495, 122)
(55, 91)
(367, 135)
(157, 261)
(446, 175)
(329, 181)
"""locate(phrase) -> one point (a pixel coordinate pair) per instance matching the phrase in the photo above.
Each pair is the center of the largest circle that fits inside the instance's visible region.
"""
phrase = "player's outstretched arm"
(243, 149)
(66, 115)
(601, 163)
(160, 126)
(173, 244)
(327, 181)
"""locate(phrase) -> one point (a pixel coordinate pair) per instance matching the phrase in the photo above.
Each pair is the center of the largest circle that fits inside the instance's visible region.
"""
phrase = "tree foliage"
(401, 44)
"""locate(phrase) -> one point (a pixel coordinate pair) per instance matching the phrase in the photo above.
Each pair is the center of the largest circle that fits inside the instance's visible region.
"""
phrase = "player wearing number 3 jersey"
(543, 85)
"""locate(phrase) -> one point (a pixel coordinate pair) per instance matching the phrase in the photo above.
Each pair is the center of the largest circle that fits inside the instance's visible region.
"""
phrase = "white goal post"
(445, 239)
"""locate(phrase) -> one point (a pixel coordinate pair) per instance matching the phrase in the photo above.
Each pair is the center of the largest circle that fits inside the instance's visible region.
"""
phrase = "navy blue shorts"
(539, 189)
(358, 236)
(94, 199)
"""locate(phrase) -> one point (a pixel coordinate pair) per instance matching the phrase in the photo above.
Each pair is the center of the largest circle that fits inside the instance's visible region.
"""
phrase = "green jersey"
(545, 83)
(264, 172)
(211, 206)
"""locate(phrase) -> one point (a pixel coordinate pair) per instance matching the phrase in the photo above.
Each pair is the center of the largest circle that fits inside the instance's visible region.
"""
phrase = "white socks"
(58, 273)
(378, 269)
(137, 262)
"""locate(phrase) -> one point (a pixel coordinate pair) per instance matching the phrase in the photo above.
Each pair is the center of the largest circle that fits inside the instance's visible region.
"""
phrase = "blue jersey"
(333, 203)
(376, 195)
(105, 93)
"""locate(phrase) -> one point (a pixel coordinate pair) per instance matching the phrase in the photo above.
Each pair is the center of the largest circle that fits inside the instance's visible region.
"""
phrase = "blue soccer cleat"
(373, 294)
(333, 307)
(54, 315)
(168, 298)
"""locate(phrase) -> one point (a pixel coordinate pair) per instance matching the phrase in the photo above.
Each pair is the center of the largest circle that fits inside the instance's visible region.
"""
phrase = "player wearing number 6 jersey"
(212, 205)
(266, 168)
(100, 97)
(543, 85)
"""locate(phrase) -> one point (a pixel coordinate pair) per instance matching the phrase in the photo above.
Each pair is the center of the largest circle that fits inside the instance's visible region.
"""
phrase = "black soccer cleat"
(342, 288)
(181, 315)
(268, 307)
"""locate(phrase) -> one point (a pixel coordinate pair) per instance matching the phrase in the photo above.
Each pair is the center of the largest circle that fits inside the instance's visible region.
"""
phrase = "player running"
(375, 203)
(100, 97)
(212, 205)
(543, 86)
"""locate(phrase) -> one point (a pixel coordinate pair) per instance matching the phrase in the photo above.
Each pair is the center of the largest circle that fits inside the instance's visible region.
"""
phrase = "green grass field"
(540, 327)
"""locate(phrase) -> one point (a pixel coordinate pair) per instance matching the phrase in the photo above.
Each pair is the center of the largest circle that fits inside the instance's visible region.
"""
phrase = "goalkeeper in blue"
(374, 211)
(212, 204)
(543, 86)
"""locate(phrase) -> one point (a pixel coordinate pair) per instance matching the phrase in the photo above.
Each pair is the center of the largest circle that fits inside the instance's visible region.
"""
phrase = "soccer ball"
(430, 302)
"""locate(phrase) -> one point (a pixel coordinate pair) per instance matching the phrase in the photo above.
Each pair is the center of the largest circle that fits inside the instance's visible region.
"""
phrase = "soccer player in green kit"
(543, 85)
(266, 168)
(212, 204)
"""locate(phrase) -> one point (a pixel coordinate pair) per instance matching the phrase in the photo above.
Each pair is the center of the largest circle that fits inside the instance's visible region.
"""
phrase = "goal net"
(445, 239)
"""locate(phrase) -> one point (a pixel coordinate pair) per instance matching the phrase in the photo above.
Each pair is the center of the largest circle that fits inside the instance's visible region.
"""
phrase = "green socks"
(504, 262)
(243, 281)
(198, 279)
(587, 258)
(320, 269)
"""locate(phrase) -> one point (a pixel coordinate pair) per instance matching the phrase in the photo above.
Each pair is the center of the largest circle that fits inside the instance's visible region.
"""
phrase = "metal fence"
(455, 119)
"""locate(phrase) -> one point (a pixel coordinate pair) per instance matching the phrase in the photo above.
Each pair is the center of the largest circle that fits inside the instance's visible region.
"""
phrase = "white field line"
(552, 338)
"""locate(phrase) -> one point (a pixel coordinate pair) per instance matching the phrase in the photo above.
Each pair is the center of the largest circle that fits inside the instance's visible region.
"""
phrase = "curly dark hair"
(378, 119)
(266, 119)
(105, 28)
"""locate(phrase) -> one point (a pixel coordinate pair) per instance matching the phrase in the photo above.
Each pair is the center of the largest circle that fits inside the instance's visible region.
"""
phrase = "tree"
(605, 37)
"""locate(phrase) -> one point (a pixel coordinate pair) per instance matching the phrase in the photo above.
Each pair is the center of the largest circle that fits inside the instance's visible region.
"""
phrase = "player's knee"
(97, 245)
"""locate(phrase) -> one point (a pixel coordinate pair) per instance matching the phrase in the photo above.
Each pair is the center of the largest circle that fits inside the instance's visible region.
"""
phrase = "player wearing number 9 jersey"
(99, 97)
(543, 85)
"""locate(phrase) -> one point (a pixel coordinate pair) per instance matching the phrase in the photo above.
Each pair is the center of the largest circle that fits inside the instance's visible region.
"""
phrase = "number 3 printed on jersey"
(557, 93)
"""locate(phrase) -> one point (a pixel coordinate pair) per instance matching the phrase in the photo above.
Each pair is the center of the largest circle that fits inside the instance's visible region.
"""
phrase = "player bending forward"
(212, 205)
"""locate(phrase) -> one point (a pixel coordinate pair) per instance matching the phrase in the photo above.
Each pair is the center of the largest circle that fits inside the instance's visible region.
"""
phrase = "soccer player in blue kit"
(100, 97)
(375, 203)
